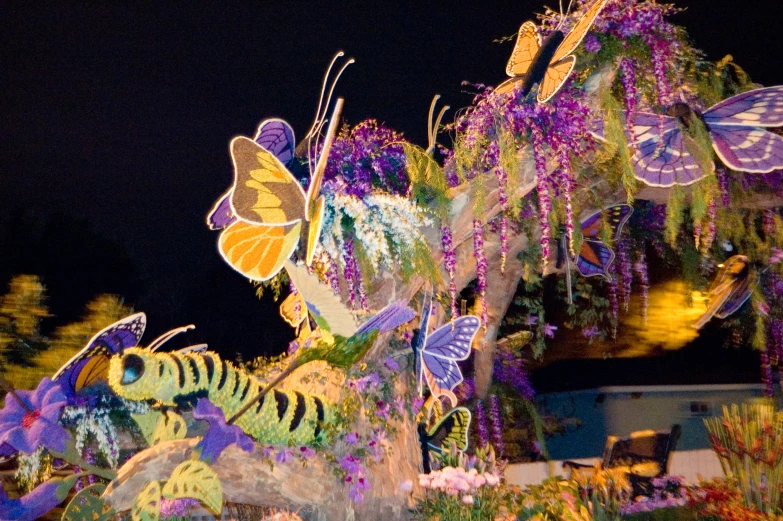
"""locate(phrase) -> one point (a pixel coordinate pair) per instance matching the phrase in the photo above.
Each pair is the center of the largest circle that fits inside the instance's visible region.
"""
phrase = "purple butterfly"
(390, 317)
(437, 354)
(91, 363)
(276, 136)
(736, 127)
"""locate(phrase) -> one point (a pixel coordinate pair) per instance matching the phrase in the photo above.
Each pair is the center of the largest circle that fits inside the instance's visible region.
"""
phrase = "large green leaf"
(147, 504)
(157, 426)
(88, 505)
(195, 479)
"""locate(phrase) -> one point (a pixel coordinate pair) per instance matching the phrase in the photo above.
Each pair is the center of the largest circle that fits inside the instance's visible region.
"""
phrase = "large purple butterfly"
(276, 136)
(437, 353)
(91, 363)
(736, 127)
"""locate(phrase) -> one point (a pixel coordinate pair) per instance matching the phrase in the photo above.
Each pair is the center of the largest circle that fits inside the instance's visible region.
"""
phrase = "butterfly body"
(548, 63)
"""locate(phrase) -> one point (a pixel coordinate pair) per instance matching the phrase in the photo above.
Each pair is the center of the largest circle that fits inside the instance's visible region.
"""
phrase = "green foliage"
(614, 133)
(88, 505)
(343, 354)
(146, 506)
(428, 182)
(675, 214)
(554, 499)
(195, 479)
(157, 426)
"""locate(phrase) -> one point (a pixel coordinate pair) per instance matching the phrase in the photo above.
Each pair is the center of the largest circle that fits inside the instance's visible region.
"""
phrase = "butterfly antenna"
(320, 121)
(165, 337)
(433, 130)
(321, 97)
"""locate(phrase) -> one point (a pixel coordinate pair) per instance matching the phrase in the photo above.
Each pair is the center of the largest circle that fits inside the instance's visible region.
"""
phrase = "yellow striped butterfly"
(266, 212)
(438, 430)
(548, 63)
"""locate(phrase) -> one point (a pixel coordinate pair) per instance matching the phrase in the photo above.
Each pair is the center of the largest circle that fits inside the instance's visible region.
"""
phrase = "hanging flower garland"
(481, 267)
(450, 263)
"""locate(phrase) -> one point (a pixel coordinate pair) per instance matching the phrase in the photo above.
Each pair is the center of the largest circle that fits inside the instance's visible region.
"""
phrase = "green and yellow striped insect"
(171, 378)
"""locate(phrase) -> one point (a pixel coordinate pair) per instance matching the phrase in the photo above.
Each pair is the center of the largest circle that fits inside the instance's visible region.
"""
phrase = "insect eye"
(132, 369)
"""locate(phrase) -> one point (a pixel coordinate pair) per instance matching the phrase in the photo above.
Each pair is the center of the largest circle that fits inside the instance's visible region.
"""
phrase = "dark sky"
(115, 123)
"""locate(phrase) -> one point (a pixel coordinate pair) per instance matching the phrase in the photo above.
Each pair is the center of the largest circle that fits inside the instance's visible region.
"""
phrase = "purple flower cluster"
(510, 369)
(628, 79)
(668, 491)
(351, 273)
(640, 268)
(768, 222)
(481, 424)
(465, 390)
(496, 423)
(592, 43)
(481, 266)
(368, 156)
(177, 508)
(614, 302)
(624, 269)
(355, 477)
(542, 190)
(450, 263)
(766, 374)
(723, 185)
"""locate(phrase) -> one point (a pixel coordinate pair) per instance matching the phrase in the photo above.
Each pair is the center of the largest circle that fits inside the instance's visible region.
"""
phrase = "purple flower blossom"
(25, 430)
(549, 330)
(450, 263)
(366, 383)
(510, 369)
(382, 409)
(306, 452)
(496, 423)
(267, 451)
(776, 256)
(177, 507)
(377, 445)
(391, 364)
(219, 435)
(640, 267)
(481, 266)
(592, 43)
(591, 332)
(466, 389)
(284, 456)
(481, 424)
(532, 320)
(416, 404)
(352, 438)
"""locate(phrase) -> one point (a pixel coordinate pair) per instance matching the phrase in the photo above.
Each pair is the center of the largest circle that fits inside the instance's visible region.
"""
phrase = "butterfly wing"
(662, 159)
(594, 259)
(313, 229)
(727, 290)
(578, 32)
(277, 136)
(258, 251)
(391, 317)
(748, 149)
(264, 191)
(324, 306)
(454, 426)
(221, 214)
(92, 362)
(288, 309)
(525, 49)
(740, 293)
(443, 348)
(755, 108)
(616, 216)
(554, 78)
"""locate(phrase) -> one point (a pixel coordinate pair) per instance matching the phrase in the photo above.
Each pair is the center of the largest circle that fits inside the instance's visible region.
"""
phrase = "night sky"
(115, 125)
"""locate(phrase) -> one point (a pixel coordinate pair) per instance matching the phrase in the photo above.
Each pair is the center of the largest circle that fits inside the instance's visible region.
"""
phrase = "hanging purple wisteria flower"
(450, 263)
(640, 267)
(496, 423)
(510, 369)
(219, 435)
(481, 267)
(481, 424)
(25, 428)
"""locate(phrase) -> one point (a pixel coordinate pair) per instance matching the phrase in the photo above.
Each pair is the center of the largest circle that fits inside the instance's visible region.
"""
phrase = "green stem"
(72, 456)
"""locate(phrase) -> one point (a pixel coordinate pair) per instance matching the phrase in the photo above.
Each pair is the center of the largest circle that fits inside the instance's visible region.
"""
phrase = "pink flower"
(468, 499)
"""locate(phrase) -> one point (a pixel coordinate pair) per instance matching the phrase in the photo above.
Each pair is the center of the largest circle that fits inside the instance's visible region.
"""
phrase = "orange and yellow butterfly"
(548, 63)
(271, 208)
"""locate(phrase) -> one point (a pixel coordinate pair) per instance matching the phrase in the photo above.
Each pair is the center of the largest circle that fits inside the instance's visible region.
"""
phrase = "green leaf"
(88, 505)
(157, 426)
(344, 353)
(195, 479)
(147, 504)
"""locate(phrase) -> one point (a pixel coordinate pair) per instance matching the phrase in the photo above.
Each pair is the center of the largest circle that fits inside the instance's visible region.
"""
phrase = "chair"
(644, 455)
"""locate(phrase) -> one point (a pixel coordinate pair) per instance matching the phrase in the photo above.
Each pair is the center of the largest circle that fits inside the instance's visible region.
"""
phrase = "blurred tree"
(27, 355)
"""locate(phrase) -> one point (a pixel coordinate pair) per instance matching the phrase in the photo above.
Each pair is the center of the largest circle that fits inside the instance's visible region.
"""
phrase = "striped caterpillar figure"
(281, 417)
